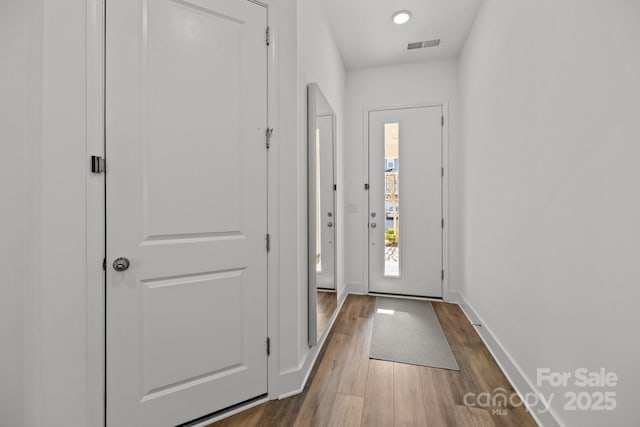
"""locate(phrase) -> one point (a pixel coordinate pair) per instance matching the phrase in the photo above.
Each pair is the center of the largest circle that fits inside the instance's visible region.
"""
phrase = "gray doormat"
(408, 331)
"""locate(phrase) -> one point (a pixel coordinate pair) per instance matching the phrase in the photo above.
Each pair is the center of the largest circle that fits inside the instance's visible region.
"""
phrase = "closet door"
(186, 113)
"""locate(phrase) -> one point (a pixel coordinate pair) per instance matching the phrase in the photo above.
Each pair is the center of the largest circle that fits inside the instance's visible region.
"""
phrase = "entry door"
(186, 113)
(325, 267)
(405, 201)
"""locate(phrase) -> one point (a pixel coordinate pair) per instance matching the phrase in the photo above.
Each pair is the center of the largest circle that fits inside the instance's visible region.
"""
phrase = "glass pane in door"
(391, 200)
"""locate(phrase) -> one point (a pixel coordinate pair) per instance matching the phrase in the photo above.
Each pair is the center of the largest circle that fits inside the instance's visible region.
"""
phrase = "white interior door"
(186, 112)
(405, 201)
(325, 268)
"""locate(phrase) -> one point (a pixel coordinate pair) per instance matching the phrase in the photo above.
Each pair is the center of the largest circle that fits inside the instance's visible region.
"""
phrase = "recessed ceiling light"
(401, 17)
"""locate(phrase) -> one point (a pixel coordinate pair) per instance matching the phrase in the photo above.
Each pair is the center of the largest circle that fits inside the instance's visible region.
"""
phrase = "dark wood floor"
(346, 388)
(326, 304)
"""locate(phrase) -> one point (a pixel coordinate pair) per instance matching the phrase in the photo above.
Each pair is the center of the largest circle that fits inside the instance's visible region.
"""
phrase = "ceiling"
(367, 37)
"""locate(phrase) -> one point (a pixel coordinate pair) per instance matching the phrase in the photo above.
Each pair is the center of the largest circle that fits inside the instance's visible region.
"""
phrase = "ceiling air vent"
(421, 45)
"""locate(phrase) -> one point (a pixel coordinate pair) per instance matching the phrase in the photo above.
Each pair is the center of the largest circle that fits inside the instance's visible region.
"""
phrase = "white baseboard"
(356, 288)
(509, 367)
(454, 297)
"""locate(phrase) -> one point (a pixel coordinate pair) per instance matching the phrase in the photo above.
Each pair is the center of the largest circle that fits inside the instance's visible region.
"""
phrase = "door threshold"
(226, 412)
(402, 296)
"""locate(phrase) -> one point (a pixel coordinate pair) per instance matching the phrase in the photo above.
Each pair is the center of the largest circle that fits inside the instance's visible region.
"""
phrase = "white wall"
(13, 39)
(318, 60)
(431, 81)
(42, 317)
(551, 97)
(287, 239)
(55, 289)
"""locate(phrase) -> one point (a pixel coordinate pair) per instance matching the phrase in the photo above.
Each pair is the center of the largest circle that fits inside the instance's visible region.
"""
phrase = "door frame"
(95, 242)
(444, 104)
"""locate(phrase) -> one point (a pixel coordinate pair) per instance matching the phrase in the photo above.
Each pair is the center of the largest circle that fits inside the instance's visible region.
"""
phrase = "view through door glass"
(391, 200)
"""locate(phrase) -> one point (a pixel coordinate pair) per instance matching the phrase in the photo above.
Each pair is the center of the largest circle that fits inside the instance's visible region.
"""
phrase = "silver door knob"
(373, 214)
(329, 224)
(374, 225)
(121, 264)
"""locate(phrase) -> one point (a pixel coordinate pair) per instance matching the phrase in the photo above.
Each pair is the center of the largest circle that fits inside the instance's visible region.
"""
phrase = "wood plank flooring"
(346, 388)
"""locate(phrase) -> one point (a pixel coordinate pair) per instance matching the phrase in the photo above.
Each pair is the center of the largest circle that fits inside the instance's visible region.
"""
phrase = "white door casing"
(420, 201)
(186, 114)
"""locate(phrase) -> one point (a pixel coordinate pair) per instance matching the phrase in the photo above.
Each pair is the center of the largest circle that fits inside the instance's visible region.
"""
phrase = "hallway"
(346, 388)
(201, 200)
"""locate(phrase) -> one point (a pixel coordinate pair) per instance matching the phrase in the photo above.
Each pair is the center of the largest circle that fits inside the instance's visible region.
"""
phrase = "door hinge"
(442, 222)
(268, 242)
(366, 186)
(335, 187)
(104, 264)
(268, 36)
(268, 346)
(442, 173)
(442, 274)
(442, 120)
(97, 164)
(268, 133)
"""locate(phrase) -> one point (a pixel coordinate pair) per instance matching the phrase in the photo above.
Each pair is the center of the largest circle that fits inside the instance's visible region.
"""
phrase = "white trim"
(95, 216)
(273, 198)
(350, 286)
(444, 104)
(445, 201)
(454, 297)
(95, 209)
(33, 394)
(507, 364)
